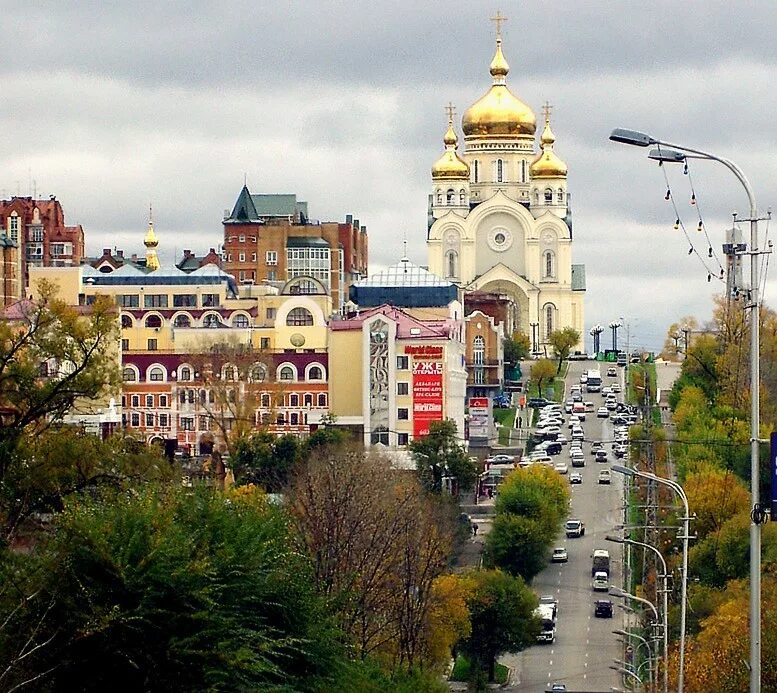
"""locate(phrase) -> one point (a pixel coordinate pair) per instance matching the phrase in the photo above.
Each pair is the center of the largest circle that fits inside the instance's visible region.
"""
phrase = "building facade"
(500, 214)
(10, 280)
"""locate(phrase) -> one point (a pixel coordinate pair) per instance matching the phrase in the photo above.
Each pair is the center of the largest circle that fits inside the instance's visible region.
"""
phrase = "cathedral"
(499, 213)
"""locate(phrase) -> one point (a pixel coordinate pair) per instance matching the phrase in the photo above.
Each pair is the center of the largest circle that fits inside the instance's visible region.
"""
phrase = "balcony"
(481, 377)
(484, 363)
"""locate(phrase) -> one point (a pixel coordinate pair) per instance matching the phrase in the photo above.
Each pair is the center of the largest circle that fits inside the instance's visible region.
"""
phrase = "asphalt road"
(585, 646)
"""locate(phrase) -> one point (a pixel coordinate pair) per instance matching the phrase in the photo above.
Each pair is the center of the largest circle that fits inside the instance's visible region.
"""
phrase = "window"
(293, 400)
(182, 320)
(258, 373)
(476, 171)
(152, 344)
(210, 300)
(155, 301)
(439, 197)
(135, 401)
(164, 421)
(187, 423)
(299, 317)
(450, 196)
(523, 171)
(253, 257)
(185, 373)
(265, 401)
(270, 275)
(313, 262)
(185, 301)
(315, 373)
(402, 388)
(163, 401)
(230, 373)
(548, 319)
(149, 401)
(308, 400)
(156, 374)
(287, 373)
(548, 196)
(499, 171)
(149, 421)
(451, 264)
(128, 300)
(264, 343)
(478, 350)
(241, 257)
(252, 239)
(271, 257)
(204, 423)
(462, 197)
(402, 414)
(211, 320)
(549, 263)
(125, 344)
(129, 375)
(560, 194)
(126, 321)
(322, 400)
(379, 436)
(271, 313)
(240, 320)
(135, 419)
(294, 419)
(36, 234)
(242, 238)
(153, 321)
(402, 363)
(403, 438)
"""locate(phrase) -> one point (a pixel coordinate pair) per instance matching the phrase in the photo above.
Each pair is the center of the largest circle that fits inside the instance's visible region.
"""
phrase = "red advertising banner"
(427, 395)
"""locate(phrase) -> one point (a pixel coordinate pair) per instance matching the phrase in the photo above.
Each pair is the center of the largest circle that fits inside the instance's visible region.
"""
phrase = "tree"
(562, 342)
(440, 454)
(541, 371)
(265, 459)
(166, 589)
(518, 545)
(516, 348)
(674, 343)
(714, 496)
(448, 617)
(501, 616)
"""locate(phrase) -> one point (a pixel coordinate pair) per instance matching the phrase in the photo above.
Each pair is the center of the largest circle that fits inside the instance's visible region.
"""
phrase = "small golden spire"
(450, 139)
(151, 242)
(547, 138)
(546, 109)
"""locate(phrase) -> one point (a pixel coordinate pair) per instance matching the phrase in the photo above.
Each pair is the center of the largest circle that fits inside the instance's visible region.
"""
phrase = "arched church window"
(549, 263)
(476, 171)
(548, 195)
(523, 171)
(439, 197)
(548, 320)
(536, 197)
(451, 196)
(451, 263)
(461, 196)
(499, 171)
(560, 194)
(478, 350)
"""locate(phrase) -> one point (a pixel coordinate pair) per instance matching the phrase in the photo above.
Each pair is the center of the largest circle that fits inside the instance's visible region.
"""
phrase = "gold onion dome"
(449, 165)
(499, 112)
(547, 164)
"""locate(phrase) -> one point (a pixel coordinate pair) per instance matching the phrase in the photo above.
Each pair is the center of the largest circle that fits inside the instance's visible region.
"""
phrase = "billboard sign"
(479, 417)
(427, 395)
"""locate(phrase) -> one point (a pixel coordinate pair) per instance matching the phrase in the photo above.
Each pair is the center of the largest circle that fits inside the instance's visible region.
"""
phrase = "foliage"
(562, 342)
(265, 459)
(377, 544)
(167, 589)
(714, 496)
(517, 347)
(448, 618)
(441, 450)
(518, 545)
(674, 344)
(502, 617)
(543, 371)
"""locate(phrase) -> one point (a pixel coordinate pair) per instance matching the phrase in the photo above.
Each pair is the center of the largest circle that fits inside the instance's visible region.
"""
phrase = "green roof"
(578, 277)
(255, 208)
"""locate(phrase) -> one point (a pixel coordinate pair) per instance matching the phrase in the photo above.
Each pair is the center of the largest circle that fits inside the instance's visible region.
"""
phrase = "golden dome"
(449, 165)
(547, 164)
(499, 112)
(150, 241)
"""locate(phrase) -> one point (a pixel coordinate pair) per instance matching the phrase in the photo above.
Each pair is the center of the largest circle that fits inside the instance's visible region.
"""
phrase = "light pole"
(665, 604)
(644, 642)
(685, 537)
(614, 325)
(534, 330)
(623, 670)
(757, 515)
(596, 332)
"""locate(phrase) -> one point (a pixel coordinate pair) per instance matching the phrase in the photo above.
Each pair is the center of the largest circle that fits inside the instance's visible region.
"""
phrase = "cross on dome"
(546, 109)
(498, 18)
(450, 109)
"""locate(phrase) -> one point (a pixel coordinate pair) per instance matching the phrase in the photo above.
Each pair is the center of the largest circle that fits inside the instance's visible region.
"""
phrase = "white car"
(602, 413)
(600, 583)
(575, 478)
(578, 433)
(604, 476)
(562, 439)
(559, 555)
(575, 449)
(561, 467)
(615, 387)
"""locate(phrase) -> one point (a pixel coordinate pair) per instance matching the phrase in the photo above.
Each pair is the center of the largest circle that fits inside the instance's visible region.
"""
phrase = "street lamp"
(614, 327)
(596, 331)
(535, 328)
(625, 633)
(686, 536)
(623, 670)
(641, 139)
(665, 604)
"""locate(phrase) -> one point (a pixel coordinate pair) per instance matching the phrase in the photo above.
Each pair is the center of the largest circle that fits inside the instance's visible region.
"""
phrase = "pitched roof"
(408, 326)
(404, 273)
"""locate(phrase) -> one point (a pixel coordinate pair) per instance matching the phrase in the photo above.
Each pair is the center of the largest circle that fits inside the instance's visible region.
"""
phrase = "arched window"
(499, 171)
(211, 320)
(451, 196)
(478, 350)
(129, 375)
(322, 400)
(258, 372)
(203, 397)
(548, 319)
(560, 194)
(182, 320)
(548, 195)
(549, 270)
(476, 171)
(523, 170)
(156, 374)
(439, 197)
(451, 263)
(462, 197)
(287, 373)
(229, 372)
(185, 373)
(153, 321)
(240, 320)
(536, 197)
(299, 317)
(126, 321)
(315, 373)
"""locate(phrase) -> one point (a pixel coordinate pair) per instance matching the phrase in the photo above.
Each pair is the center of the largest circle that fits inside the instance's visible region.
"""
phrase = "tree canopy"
(442, 450)
(562, 342)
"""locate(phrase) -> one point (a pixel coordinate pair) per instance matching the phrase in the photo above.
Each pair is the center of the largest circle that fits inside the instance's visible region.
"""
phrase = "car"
(502, 458)
(562, 439)
(612, 372)
(604, 477)
(601, 582)
(574, 420)
(574, 528)
(620, 451)
(596, 446)
(577, 396)
(578, 433)
(603, 608)
(619, 419)
(615, 387)
(601, 456)
(606, 390)
(538, 402)
(584, 378)
(568, 406)
(611, 405)
(556, 688)
(561, 467)
(578, 460)
(550, 432)
(602, 413)
(575, 478)
(559, 555)
(550, 599)
(552, 447)
(589, 407)
(540, 459)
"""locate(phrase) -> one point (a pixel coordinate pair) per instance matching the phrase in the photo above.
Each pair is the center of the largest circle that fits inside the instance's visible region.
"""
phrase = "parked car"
(574, 528)
(603, 608)
(550, 599)
(561, 467)
(604, 476)
(575, 478)
(602, 413)
(538, 402)
(559, 555)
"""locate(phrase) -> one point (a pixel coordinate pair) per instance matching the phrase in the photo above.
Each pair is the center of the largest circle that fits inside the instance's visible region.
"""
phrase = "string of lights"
(702, 226)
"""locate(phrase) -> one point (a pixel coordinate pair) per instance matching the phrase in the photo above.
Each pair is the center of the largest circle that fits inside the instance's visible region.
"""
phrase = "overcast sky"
(110, 106)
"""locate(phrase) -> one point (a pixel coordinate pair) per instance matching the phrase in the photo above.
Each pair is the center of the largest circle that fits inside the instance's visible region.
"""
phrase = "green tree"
(441, 454)
(166, 589)
(518, 545)
(502, 618)
(516, 347)
(543, 371)
(562, 342)
(265, 460)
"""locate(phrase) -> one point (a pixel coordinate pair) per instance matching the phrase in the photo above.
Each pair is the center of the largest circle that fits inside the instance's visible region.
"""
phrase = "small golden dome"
(150, 241)
(547, 164)
(499, 112)
(449, 165)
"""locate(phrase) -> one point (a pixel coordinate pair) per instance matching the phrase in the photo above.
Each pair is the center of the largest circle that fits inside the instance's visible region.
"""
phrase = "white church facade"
(499, 213)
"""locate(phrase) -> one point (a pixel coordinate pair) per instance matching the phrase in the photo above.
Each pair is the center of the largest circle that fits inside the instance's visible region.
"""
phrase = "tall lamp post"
(614, 327)
(664, 605)
(596, 332)
(644, 642)
(686, 536)
(640, 139)
(534, 330)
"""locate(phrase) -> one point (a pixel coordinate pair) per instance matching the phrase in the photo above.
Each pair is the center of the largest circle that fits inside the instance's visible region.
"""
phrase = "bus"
(547, 615)
(594, 381)
(622, 358)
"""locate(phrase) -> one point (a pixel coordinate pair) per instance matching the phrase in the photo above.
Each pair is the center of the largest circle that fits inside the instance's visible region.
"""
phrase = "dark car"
(538, 402)
(553, 448)
(603, 608)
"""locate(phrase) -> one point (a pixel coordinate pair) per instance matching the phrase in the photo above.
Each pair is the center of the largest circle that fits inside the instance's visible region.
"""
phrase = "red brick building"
(38, 228)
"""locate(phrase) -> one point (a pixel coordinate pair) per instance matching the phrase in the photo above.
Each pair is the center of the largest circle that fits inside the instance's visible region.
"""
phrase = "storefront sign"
(427, 395)
(479, 417)
(424, 351)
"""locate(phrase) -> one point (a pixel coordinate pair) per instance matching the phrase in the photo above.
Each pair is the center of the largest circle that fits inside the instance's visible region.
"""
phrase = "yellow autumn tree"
(714, 495)
(448, 618)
